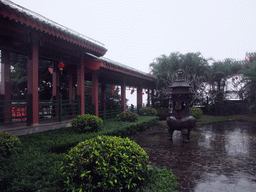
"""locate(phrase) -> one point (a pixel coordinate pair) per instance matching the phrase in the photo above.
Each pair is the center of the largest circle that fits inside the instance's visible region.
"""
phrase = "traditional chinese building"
(28, 37)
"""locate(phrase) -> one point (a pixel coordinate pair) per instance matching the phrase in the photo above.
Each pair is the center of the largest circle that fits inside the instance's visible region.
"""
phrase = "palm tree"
(220, 72)
(194, 65)
(249, 88)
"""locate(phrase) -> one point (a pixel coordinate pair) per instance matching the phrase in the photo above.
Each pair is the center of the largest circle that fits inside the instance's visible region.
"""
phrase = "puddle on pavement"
(219, 157)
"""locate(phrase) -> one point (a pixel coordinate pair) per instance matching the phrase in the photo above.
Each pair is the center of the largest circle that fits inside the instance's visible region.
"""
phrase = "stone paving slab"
(219, 157)
(24, 130)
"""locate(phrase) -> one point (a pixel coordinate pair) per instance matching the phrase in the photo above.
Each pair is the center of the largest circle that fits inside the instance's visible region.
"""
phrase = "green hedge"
(9, 144)
(115, 128)
(196, 112)
(127, 116)
(163, 113)
(147, 111)
(105, 163)
(125, 128)
(37, 165)
(86, 123)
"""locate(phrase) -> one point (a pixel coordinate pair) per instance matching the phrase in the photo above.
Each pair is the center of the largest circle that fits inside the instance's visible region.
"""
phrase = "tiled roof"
(250, 56)
(116, 65)
(35, 20)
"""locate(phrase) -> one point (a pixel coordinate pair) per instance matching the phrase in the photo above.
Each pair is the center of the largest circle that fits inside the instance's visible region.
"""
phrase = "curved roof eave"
(110, 63)
(35, 20)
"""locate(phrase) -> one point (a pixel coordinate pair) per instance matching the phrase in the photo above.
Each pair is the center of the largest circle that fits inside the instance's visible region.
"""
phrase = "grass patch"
(160, 180)
(213, 119)
(205, 119)
(36, 166)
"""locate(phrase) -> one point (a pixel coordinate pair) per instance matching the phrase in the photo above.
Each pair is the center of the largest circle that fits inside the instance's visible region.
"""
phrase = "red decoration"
(236, 78)
(132, 91)
(112, 88)
(61, 66)
(142, 93)
(114, 92)
(90, 89)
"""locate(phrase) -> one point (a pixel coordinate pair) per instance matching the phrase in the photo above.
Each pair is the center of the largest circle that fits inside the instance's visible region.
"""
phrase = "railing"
(132, 109)
(58, 109)
(19, 111)
(13, 111)
(110, 113)
(89, 109)
(16, 111)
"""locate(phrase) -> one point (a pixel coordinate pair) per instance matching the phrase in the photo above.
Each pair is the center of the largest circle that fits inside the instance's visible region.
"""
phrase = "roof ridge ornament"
(180, 75)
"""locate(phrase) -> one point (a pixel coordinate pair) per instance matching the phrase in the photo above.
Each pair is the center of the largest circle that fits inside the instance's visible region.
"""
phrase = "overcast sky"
(137, 31)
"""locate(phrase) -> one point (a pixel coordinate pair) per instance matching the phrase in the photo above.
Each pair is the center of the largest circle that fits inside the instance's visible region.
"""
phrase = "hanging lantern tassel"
(112, 88)
(61, 66)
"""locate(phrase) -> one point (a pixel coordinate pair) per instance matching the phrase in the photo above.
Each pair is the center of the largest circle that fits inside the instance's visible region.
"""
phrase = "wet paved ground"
(219, 157)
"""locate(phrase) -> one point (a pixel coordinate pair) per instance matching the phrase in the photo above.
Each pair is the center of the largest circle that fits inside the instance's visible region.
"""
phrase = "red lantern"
(112, 88)
(132, 91)
(61, 66)
(142, 93)
(114, 92)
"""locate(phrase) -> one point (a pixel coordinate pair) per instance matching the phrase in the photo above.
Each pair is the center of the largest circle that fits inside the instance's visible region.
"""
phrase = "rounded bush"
(196, 112)
(86, 123)
(163, 113)
(105, 163)
(9, 144)
(148, 111)
(127, 116)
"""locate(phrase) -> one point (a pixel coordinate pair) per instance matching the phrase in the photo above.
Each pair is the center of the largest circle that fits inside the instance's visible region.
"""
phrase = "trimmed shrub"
(9, 144)
(163, 113)
(196, 112)
(161, 180)
(105, 163)
(148, 111)
(127, 116)
(86, 123)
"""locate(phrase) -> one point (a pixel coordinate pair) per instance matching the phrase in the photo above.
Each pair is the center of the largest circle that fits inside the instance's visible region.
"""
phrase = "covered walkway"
(44, 48)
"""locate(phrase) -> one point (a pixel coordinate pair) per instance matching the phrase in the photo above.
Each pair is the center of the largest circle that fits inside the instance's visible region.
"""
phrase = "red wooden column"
(148, 98)
(71, 95)
(152, 97)
(103, 99)
(95, 97)
(139, 97)
(56, 86)
(56, 82)
(123, 96)
(33, 82)
(80, 84)
(71, 86)
(6, 83)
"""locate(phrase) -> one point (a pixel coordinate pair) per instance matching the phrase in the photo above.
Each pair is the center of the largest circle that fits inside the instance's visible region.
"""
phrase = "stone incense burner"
(181, 119)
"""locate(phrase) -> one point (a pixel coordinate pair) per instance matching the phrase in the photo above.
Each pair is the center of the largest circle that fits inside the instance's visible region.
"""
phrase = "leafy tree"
(194, 65)
(249, 88)
(219, 73)
(207, 80)
(19, 77)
